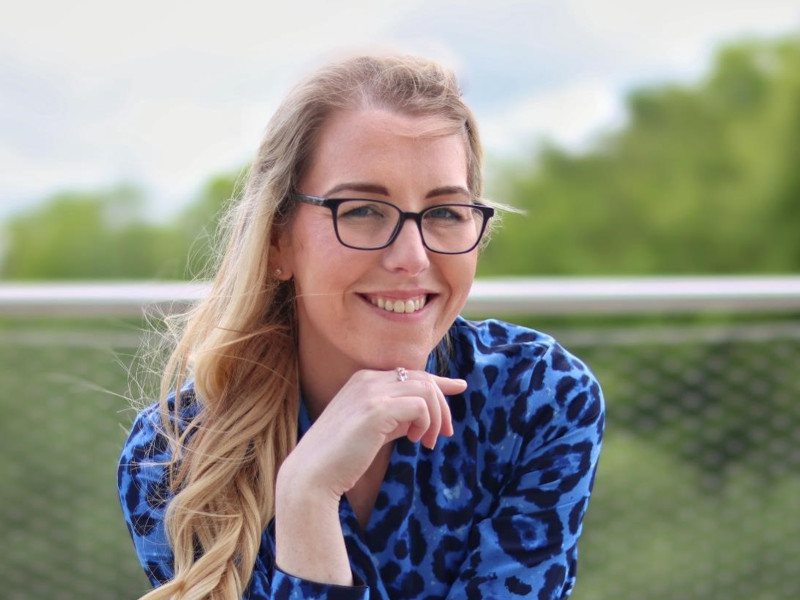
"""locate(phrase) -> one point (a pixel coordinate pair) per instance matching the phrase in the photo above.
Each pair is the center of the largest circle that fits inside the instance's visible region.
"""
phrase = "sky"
(166, 94)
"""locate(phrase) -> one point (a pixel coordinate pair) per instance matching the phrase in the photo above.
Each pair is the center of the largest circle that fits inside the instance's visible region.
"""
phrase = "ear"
(280, 254)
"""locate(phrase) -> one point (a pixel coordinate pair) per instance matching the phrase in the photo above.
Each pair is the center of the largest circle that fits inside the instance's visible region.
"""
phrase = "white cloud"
(569, 116)
(167, 93)
(97, 35)
(161, 93)
(672, 35)
(26, 179)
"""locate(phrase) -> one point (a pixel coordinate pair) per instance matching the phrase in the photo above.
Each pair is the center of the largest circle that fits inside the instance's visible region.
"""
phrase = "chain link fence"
(697, 495)
(698, 490)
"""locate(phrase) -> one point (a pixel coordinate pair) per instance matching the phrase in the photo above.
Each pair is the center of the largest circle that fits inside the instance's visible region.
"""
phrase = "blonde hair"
(238, 344)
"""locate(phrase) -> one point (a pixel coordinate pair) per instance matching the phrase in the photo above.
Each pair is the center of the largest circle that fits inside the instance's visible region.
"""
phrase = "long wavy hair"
(238, 344)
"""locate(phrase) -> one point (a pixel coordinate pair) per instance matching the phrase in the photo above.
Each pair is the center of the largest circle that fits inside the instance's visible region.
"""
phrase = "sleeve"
(527, 547)
(144, 493)
(142, 479)
(288, 587)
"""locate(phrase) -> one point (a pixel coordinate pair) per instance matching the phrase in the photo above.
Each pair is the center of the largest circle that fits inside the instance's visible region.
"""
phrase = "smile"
(408, 305)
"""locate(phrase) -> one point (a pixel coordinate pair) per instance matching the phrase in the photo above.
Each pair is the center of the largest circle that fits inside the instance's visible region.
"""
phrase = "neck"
(320, 381)
(324, 368)
(324, 373)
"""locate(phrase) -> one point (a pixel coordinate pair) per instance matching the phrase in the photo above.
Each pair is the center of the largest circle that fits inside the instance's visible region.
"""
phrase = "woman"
(344, 433)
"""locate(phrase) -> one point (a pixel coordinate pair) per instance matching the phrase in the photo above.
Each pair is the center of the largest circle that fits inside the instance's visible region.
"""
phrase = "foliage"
(89, 236)
(702, 179)
(199, 222)
(103, 235)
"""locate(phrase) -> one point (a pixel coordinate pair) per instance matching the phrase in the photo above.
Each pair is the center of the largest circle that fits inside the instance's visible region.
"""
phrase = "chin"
(410, 356)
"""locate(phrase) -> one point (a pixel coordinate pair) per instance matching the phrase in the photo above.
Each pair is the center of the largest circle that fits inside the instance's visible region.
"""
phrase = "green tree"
(701, 179)
(96, 235)
(102, 235)
(199, 222)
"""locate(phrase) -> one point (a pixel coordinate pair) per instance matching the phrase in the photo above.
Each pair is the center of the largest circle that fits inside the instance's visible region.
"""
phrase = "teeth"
(399, 306)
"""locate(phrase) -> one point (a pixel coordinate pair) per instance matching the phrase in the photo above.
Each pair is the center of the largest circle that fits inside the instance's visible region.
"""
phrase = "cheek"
(458, 275)
(462, 272)
(315, 251)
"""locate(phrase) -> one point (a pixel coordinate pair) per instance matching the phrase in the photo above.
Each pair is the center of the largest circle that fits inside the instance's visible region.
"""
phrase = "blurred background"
(642, 139)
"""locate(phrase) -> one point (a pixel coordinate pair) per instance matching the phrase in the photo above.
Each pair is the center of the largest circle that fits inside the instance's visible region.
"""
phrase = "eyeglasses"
(365, 224)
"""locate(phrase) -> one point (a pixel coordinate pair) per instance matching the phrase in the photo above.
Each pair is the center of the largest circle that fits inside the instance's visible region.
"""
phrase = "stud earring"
(278, 272)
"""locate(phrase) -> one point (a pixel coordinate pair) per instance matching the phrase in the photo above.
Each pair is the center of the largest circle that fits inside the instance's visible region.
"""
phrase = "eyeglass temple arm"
(309, 199)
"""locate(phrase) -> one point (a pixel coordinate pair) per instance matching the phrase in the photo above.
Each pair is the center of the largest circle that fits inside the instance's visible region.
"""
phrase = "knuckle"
(422, 406)
(372, 405)
(359, 377)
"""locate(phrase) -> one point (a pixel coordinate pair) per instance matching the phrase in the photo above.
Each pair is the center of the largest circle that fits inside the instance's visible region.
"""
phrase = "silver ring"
(402, 374)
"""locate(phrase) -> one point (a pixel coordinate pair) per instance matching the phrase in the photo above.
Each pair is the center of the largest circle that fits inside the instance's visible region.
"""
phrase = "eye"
(454, 213)
(362, 209)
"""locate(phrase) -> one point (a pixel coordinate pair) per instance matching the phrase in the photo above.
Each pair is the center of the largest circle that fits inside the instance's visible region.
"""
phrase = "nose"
(407, 253)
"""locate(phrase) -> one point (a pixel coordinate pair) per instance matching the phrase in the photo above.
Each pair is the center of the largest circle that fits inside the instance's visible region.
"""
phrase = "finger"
(421, 384)
(447, 417)
(432, 395)
(452, 386)
(442, 386)
(411, 415)
(445, 384)
(448, 385)
(445, 424)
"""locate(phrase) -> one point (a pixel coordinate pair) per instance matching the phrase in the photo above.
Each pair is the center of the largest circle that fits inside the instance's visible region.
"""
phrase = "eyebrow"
(368, 188)
(372, 188)
(448, 190)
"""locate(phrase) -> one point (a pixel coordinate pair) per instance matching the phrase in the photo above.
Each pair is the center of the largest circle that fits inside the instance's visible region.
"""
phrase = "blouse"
(495, 511)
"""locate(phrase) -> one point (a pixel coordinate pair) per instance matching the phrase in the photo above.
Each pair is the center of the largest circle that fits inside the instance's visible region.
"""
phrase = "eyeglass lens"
(369, 224)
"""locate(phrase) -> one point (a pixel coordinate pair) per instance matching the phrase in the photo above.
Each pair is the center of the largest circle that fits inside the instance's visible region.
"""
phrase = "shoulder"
(493, 337)
(522, 379)
(147, 451)
(513, 355)
(143, 481)
(147, 439)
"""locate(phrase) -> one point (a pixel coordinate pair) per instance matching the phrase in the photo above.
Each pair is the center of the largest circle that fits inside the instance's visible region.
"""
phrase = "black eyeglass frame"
(334, 203)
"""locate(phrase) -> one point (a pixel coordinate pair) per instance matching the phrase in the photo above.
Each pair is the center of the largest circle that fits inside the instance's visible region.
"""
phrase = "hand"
(372, 409)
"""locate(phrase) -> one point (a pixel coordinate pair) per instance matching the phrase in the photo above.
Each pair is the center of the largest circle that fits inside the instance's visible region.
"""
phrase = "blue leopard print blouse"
(493, 512)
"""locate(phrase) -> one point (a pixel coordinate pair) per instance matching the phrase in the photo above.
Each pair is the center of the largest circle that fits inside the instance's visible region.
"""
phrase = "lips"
(399, 305)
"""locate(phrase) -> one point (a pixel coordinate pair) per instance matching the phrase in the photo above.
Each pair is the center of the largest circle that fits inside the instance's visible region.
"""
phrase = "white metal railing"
(552, 296)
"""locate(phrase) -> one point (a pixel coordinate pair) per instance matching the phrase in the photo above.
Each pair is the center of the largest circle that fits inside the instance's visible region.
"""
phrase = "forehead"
(385, 147)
